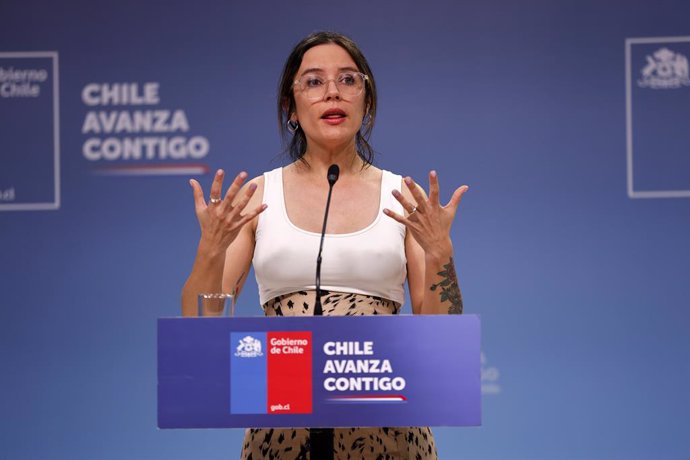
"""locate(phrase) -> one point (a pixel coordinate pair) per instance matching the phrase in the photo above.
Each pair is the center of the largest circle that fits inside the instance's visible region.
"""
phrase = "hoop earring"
(292, 126)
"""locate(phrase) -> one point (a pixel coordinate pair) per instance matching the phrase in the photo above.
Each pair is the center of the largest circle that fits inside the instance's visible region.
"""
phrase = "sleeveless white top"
(370, 261)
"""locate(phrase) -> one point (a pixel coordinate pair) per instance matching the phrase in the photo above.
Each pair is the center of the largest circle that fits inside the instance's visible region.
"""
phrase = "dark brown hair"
(296, 144)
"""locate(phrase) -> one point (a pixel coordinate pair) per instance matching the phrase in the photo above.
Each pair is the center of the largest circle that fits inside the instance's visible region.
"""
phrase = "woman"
(327, 102)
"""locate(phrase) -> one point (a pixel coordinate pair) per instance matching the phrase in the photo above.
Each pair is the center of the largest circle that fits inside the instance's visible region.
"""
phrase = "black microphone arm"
(333, 174)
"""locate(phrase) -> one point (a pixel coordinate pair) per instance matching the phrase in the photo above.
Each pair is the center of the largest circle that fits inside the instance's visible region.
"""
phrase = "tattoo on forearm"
(450, 291)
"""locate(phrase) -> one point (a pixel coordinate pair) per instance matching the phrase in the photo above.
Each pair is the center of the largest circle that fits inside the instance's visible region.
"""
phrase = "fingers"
(217, 185)
(242, 203)
(234, 188)
(433, 188)
(457, 197)
(406, 204)
(250, 215)
(395, 216)
(199, 201)
(217, 189)
(417, 194)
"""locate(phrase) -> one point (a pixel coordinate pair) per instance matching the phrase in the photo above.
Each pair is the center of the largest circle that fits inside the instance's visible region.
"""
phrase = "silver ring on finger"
(214, 200)
(414, 209)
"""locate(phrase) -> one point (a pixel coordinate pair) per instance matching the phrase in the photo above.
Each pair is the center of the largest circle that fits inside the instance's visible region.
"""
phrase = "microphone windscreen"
(333, 174)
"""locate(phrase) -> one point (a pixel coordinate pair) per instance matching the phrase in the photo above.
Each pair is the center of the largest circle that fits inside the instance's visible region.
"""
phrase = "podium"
(327, 371)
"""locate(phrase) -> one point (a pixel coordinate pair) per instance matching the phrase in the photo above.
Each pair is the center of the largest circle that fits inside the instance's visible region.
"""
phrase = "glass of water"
(217, 304)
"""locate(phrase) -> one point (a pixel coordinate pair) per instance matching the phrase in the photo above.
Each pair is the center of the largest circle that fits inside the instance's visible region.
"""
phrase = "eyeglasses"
(314, 87)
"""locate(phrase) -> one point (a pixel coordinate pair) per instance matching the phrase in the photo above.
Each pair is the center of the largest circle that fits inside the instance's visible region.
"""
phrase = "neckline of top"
(331, 235)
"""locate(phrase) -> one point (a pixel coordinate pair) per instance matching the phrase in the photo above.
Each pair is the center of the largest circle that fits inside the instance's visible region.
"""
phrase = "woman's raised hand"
(222, 218)
(428, 221)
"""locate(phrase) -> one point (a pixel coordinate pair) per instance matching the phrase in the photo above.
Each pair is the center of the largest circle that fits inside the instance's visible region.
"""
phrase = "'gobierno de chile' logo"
(15, 83)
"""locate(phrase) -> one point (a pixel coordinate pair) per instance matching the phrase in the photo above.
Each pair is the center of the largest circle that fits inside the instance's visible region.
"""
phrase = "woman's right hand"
(221, 219)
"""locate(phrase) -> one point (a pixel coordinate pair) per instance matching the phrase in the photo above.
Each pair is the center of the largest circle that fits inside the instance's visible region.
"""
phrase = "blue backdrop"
(567, 119)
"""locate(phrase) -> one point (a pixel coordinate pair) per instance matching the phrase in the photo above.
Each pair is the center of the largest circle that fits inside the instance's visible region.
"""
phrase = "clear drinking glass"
(217, 304)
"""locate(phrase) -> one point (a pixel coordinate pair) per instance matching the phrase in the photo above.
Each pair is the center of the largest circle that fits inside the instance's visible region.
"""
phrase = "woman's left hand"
(428, 221)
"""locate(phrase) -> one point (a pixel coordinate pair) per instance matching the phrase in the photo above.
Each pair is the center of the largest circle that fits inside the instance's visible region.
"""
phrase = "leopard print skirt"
(386, 443)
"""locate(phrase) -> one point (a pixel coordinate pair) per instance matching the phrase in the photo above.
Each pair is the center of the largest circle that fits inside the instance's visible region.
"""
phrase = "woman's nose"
(332, 91)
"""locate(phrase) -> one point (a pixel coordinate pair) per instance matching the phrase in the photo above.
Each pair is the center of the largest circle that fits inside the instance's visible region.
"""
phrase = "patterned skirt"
(387, 443)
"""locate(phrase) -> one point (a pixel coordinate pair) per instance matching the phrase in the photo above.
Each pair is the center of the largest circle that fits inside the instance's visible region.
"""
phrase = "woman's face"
(332, 119)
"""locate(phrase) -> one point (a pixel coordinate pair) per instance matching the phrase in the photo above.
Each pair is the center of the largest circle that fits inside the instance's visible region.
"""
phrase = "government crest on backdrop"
(657, 79)
(665, 69)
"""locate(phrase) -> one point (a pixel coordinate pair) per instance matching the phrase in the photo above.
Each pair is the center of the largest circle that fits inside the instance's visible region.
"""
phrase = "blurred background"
(568, 119)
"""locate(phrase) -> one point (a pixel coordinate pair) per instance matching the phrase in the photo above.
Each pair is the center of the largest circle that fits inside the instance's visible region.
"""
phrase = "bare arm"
(226, 245)
(433, 281)
(431, 274)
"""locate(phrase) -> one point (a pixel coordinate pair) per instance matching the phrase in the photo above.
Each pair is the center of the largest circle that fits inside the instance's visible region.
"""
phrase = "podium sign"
(319, 371)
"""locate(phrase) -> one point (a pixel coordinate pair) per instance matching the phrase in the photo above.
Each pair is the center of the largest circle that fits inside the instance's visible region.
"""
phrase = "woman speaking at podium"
(382, 230)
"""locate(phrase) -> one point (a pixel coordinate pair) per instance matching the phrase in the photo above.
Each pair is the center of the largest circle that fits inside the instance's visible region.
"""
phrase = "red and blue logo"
(271, 372)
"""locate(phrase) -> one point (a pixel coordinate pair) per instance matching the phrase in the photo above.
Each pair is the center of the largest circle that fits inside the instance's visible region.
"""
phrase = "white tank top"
(370, 261)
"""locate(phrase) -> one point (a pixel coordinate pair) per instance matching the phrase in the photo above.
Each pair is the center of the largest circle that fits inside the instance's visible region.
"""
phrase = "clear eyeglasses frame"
(315, 87)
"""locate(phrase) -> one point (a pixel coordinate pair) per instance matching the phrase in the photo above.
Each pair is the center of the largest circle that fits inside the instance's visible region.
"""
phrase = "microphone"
(321, 439)
(332, 176)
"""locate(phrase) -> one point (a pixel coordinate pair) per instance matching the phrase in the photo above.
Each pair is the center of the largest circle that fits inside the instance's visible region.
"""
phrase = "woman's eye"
(347, 79)
(312, 82)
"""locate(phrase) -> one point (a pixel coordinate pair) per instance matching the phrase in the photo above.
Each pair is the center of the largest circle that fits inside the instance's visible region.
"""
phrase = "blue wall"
(579, 273)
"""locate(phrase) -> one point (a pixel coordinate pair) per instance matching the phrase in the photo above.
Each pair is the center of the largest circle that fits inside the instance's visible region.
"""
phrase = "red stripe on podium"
(289, 373)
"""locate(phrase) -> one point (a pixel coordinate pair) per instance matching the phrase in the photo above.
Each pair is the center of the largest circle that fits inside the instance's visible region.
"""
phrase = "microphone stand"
(321, 439)
(333, 173)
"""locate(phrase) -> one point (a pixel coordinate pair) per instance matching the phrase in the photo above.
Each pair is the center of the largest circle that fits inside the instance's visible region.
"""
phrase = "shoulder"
(260, 180)
(397, 181)
(255, 200)
(392, 176)
(376, 175)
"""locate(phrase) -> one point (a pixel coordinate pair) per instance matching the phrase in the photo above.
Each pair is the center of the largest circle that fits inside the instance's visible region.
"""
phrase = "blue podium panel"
(319, 371)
